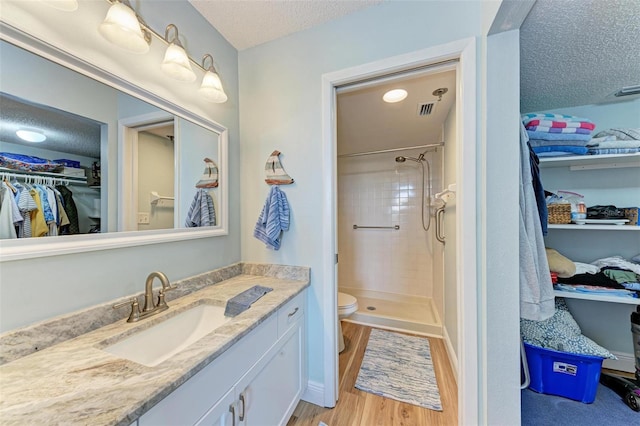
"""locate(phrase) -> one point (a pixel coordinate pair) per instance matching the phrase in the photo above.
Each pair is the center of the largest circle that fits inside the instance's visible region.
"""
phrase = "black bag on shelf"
(604, 212)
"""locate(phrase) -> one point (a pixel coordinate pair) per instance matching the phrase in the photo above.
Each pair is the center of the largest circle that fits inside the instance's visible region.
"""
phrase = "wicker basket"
(559, 213)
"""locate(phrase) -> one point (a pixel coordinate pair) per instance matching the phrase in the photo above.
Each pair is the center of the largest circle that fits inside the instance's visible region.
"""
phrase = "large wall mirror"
(132, 170)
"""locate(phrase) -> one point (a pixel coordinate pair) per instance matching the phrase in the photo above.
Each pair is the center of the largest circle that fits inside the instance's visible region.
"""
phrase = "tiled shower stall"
(391, 272)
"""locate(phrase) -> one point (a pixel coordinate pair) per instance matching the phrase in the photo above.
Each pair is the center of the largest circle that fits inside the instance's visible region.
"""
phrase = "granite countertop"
(75, 382)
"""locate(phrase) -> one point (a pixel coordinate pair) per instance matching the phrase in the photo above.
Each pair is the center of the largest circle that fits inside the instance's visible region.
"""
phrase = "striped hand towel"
(559, 130)
(561, 124)
(526, 118)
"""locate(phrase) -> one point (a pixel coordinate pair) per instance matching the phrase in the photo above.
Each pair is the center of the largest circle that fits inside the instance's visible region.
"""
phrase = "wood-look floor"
(358, 408)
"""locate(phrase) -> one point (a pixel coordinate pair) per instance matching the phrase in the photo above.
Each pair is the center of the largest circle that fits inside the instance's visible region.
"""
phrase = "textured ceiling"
(578, 52)
(247, 23)
(65, 132)
(573, 52)
(367, 123)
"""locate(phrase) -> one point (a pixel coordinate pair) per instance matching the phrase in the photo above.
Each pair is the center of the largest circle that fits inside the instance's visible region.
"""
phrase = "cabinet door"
(222, 413)
(269, 394)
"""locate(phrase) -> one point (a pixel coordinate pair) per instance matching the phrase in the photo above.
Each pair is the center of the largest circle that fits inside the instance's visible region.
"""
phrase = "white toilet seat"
(347, 304)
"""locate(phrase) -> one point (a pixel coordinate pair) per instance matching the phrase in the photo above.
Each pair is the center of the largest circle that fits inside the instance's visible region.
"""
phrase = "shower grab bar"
(439, 224)
(377, 227)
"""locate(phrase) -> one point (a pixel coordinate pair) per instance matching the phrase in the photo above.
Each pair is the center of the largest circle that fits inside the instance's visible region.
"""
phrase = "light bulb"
(176, 64)
(122, 28)
(211, 88)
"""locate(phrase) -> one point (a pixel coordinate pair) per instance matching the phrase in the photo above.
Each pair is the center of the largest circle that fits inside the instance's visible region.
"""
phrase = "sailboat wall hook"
(275, 174)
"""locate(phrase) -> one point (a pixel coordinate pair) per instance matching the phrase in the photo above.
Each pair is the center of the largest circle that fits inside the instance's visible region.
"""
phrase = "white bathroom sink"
(157, 343)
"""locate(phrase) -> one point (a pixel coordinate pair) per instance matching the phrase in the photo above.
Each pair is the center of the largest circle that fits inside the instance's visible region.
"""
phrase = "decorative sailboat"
(274, 171)
(210, 176)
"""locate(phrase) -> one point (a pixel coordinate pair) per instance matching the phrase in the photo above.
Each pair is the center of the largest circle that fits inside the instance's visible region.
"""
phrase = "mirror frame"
(11, 250)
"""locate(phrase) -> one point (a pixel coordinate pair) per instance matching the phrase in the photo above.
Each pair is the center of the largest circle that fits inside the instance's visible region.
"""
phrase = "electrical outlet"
(143, 218)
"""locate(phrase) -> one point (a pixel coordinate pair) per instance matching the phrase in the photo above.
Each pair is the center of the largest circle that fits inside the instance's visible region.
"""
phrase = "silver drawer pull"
(241, 416)
(295, 311)
(232, 408)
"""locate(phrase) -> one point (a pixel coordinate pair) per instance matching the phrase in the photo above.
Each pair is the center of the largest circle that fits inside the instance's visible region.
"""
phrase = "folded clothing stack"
(615, 141)
(552, 135)
(243, 301)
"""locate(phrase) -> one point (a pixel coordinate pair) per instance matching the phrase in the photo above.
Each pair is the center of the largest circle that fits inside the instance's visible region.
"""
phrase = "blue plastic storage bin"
(560, 373)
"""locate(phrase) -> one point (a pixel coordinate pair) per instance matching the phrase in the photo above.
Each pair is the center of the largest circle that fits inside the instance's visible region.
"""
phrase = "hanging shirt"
(63, 218)
(71, 210)
(7, 229)
(26, 204)
(39, 226)
(537, 301)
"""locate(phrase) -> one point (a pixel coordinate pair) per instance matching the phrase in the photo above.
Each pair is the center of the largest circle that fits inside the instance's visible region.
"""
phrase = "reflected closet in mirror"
(126, 165)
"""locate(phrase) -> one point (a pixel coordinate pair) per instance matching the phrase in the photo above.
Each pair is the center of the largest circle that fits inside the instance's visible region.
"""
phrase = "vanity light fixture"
(176, 62)
(31, 135)
(211, 87)
(395, 95)
(64, 5)
(123, 28)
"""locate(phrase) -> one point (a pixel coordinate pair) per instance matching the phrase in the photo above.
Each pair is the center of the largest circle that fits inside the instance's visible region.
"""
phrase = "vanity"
(249, 370)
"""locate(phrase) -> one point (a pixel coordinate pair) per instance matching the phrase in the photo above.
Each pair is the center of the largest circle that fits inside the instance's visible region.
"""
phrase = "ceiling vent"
(426, 108)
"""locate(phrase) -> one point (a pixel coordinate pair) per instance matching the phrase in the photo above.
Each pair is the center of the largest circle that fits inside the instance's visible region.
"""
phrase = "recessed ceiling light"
(31, 135)
(395, 95)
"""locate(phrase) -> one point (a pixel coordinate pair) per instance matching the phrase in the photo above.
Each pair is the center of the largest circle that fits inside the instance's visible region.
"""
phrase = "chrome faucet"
(149, 308)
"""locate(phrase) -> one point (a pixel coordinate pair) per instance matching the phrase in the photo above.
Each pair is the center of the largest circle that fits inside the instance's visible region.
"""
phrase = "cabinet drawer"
(290, 313)
(195, 397)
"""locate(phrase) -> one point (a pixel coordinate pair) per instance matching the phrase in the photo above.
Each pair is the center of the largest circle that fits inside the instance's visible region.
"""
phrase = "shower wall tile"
(376, 191)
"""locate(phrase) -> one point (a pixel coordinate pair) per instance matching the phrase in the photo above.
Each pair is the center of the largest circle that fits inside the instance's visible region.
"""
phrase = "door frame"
(128, 129)
(466, 224)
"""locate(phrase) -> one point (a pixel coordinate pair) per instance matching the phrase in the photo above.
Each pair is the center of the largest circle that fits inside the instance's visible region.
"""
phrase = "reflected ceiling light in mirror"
(31, 135)
(64, 5)
(176, 62)
(211, 87)
(122, 27)
(395, 95)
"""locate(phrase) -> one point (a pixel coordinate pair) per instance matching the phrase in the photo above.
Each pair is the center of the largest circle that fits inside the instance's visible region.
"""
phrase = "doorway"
(390, 168)
(147, 181)
(465, 305)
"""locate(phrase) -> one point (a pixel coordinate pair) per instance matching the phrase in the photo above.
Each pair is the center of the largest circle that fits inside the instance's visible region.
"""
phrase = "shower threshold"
(415, 315)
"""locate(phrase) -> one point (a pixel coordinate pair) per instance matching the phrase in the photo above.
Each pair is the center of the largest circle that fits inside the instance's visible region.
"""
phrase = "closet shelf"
(57, 176)
(588, 227)
(587, 162)
(596, 297)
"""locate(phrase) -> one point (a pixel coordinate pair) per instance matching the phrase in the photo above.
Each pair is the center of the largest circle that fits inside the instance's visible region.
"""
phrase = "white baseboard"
(453, 359)
(314, 393)
(625, 362)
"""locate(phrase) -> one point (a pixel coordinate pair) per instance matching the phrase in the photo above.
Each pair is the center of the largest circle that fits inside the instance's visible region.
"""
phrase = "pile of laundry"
(553, 135)
(612, 276)
(615, 141)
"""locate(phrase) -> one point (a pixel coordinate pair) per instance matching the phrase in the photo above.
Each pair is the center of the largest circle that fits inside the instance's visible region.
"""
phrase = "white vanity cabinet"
(257, 381)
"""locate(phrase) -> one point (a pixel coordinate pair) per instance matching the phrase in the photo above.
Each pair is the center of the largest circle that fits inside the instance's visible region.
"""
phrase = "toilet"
(347, 305)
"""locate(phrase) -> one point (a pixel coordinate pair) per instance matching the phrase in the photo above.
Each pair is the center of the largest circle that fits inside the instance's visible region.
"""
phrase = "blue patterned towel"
(573, 150)
(243, 301)
(558, 136)
(273, 220)
(555, 117)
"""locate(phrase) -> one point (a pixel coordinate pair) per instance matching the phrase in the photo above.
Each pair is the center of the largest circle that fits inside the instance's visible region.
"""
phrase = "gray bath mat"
(399, 367)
